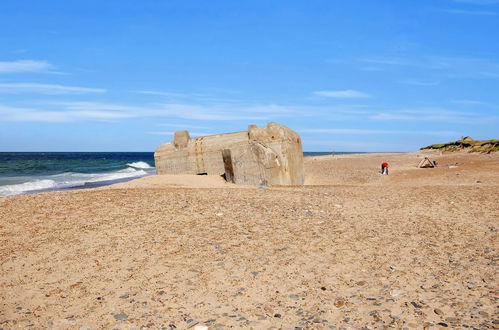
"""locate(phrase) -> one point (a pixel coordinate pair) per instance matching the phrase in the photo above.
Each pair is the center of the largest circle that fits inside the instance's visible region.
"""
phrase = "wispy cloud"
(444, 67)
(479, 2)
(432, 115)
(191, 97)
(358, 131)
(184, 126)
(169, 94)
(416, 82)
(26, 66)
(36, 115)
(191, 134)
(343, 94)
(74, 111)
(470, 102)
(471, 12)
(18, 88)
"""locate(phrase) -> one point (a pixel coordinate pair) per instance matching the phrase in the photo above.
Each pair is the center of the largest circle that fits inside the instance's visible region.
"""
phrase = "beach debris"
(415, 304)
(120, 316)
(438, 311)
(201, 327)
(219, 214)
(427, 163)
(339, 303)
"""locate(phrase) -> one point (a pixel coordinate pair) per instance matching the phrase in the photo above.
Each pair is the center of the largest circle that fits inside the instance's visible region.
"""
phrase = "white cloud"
(222, 112)
(18, 88)
(433, 115)
(191, 134)
(479, 2)
(73, 111)
(358, 131)
(183, 126)
(420, 82)
(444, 67)
(349, 93)
(25, 66)
(29, 114)
(471, 12)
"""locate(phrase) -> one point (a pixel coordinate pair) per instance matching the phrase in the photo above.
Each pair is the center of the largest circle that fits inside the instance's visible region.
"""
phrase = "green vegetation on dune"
(485, 146)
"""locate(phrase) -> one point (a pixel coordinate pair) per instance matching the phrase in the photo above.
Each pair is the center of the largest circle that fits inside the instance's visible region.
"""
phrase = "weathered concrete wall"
(269, 155)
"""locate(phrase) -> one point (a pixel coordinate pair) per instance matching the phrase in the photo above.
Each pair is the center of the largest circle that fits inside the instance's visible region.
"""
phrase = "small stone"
(442, 324)
(339, 303)
(361, 283)
(268, 309)
(416, 305)
(323, 288)
(161, 292)
(120, 316)
(277, 315)
(125, 296)
(484, 314)
(294, 296)
(200, 327)
(438, 311)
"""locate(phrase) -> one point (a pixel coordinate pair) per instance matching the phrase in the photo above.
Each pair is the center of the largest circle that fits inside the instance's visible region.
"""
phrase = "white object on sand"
(200, 327)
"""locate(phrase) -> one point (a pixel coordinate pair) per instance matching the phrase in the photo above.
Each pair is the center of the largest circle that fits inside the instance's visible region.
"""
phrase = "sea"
(31, 172)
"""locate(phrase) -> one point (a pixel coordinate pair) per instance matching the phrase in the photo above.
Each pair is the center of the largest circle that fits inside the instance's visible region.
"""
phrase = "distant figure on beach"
(384, 168)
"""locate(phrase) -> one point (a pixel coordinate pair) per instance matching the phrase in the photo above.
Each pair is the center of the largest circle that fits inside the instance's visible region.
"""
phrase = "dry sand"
(351, 249)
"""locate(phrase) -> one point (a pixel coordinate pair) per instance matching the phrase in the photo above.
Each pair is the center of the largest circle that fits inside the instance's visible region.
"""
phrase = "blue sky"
(350, 75)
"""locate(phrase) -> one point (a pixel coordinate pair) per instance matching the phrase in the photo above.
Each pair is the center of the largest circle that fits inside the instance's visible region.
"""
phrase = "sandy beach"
(350, 249)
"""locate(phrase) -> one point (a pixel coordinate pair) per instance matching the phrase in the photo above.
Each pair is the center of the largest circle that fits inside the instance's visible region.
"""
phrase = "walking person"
(384, 168)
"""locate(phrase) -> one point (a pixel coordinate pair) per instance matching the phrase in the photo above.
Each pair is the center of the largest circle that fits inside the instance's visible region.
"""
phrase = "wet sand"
(350, 249)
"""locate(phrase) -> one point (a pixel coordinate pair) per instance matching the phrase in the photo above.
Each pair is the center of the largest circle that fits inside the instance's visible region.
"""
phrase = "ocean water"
(28, 172)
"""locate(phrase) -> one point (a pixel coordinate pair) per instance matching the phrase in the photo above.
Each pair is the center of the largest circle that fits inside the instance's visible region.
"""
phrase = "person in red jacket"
(384, 168)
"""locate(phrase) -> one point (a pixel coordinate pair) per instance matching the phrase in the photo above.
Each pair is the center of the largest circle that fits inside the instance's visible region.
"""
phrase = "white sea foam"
(15, 189)
(69, 180)
(139, 165)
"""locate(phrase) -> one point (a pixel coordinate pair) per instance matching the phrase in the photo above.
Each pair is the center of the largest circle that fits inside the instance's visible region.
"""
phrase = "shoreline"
(90, 185)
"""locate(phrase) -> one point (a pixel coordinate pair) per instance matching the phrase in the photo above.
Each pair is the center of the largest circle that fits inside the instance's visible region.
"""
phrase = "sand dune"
(350, 249)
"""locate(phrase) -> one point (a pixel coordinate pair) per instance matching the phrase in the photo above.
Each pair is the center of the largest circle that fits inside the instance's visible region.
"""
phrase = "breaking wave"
(139, 165)
(72, 180)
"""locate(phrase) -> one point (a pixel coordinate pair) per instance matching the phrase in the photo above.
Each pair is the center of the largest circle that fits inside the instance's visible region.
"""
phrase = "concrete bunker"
(270, 155)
